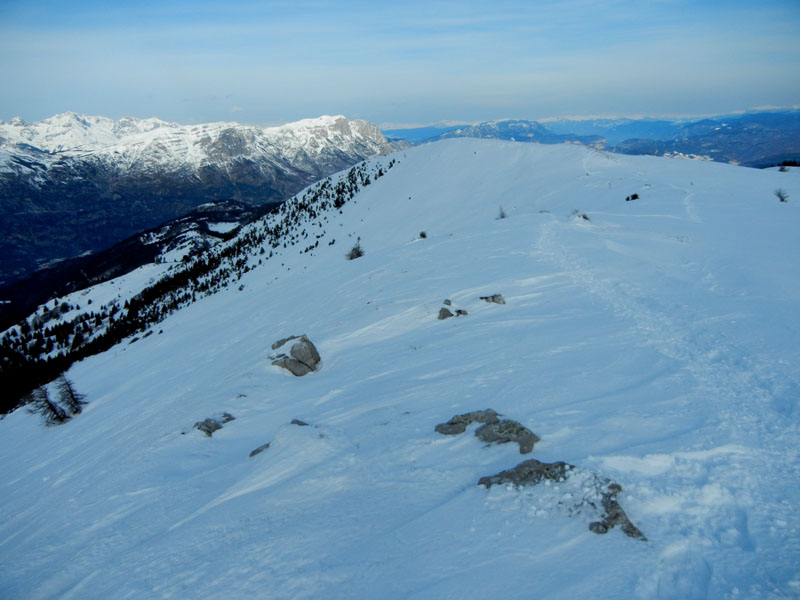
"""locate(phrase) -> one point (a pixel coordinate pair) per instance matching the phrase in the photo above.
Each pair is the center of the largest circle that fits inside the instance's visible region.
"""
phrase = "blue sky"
(397, 62)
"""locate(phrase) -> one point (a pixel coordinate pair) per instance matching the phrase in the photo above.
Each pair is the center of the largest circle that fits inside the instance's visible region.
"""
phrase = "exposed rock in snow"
(458, 424)
(603, 491)
(302, 359)
(529, 472)
(210, 425)
(259, 450)
(496, 298)
(595, 492)
(614, 515)
(506, 431)
(492, 430)
(446, 313)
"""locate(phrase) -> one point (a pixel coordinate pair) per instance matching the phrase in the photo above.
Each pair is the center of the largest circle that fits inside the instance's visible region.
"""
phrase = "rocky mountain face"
(73, 184)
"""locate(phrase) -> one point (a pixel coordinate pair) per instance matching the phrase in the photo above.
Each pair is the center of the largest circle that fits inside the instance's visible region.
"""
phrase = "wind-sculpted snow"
(653, 345)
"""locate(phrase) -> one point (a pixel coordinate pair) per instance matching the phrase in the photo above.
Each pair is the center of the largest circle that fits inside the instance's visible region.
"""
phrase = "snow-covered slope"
(651, 341)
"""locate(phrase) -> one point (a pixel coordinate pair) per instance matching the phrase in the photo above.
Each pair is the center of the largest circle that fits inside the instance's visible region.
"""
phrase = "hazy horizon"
(399, 65)
(452, 123)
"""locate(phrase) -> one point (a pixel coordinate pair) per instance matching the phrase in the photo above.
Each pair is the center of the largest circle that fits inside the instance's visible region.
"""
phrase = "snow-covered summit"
(649, 340)
(315, 133)
(71, 131)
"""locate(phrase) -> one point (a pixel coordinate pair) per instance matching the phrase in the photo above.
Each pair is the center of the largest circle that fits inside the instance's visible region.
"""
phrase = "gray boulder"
(444, 314)
(302, 357)
(506, 431)
(496, 298)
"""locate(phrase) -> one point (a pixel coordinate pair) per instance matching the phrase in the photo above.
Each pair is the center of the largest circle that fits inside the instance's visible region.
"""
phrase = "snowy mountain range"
(73, 183)
(758, 139)
(630, 320)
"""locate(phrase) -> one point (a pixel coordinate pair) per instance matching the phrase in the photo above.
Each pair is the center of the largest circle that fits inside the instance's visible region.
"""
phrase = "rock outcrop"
(492, 430)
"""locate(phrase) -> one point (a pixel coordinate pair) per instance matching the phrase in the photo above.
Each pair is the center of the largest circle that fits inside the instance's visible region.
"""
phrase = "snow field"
(654, 344)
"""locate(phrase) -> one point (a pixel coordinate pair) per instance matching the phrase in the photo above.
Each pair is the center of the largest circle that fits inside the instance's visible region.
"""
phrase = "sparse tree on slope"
(69, 397)
(50, 411)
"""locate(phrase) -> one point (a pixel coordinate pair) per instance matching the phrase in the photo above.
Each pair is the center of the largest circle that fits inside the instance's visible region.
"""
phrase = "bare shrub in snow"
(356, 251)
